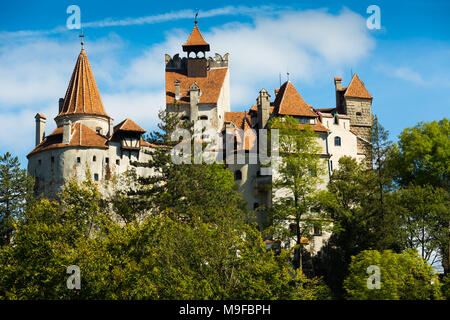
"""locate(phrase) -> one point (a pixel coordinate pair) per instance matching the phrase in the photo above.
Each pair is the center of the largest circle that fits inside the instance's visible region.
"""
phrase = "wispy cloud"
(152, 19)
(35, 71)
(405, 73)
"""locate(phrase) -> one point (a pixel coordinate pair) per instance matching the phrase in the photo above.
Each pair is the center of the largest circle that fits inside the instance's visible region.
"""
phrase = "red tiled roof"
(82, 95)
(210, 86)
(128, 125)
(81, 136)
(196, 38)
(289, 102)
(357, 89)
(241, 120)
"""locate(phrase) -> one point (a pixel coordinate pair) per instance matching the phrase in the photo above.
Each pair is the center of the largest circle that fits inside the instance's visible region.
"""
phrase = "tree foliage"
(403, 276)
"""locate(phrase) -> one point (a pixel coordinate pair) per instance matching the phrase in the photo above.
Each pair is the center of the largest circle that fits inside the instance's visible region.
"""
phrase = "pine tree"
(16, 187)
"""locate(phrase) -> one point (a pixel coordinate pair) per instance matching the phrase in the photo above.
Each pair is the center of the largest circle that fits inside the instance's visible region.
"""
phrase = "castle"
(198, 90)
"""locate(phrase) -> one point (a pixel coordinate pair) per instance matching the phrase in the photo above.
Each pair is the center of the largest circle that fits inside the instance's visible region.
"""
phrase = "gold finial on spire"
(82, 39)
(196, 15)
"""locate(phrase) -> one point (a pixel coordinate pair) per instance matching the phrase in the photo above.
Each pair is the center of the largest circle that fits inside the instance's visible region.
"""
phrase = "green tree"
(403, 276)
(422, 157)
(425, 217)
(295, 184)
(354, 204)
(16, 188)
(423, 154)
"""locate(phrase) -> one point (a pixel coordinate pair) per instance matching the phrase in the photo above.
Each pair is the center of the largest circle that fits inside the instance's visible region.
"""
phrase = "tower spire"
(82, 39)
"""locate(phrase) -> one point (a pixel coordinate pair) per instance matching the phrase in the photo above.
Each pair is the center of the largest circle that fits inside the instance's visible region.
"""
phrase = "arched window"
(94, 158)
(237, 175)
(185, 118)
(337, 141)
(204, 118)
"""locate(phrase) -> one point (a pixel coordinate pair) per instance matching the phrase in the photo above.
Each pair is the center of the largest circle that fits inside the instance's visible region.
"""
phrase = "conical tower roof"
(82, 95)
(195, 41)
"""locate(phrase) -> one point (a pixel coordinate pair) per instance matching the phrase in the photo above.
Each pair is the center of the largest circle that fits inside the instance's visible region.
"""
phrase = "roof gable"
(128, 125)
(357, 89)
(289, 102)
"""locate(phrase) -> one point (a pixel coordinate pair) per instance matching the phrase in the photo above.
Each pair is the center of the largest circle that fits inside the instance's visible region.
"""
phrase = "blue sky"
(405, 65)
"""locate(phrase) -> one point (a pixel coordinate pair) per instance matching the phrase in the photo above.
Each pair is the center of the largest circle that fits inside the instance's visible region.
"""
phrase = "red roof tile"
(357, 89)
(210, 86)
(128, 125)
(82, 95)
(82, 136)
(195, 39)
(289, 102)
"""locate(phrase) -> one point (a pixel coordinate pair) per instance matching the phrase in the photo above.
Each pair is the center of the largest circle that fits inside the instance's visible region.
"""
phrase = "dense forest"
(185, 232)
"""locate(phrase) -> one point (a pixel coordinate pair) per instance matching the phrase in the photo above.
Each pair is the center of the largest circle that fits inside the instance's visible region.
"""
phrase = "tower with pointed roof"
(197, 87)
(85, 140)
(355, 101)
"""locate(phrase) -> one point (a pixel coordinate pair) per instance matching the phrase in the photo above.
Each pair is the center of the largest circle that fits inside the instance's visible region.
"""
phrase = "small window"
(255, 205)
(359, 114)
(331, 165)
(99, 130)
(94, 158)
(96, 176)
(237, 175)
(78, 159)
(317, 231)
(107, 160)
(337, 141)
(53, 159)
(185, 118)
(204, 118)
(39, 161)
(118, 162)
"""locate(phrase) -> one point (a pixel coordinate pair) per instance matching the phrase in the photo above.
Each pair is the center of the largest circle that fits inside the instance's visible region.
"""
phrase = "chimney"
(177, 90)
(194, 93)
(339, 94)
(111, 127)
(338, 83)
(66, 131)
(263, 103)
(40, 127)
(61, 103)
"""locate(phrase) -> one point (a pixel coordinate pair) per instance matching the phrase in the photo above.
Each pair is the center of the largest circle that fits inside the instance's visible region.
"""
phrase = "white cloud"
(407, 74)
(34, 72)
